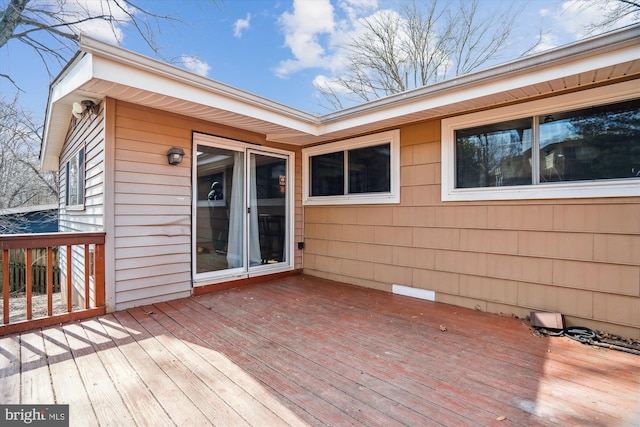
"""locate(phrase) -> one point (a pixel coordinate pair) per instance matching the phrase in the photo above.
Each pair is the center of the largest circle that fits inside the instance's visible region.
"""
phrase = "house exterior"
(509, 190)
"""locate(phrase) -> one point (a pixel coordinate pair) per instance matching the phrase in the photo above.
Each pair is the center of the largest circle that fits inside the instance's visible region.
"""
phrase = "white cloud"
(326, 82)
(241, 25)
(302, 29)
(315, 30)
(577, 16)
(195, 64)
(101, 29)
(355, 8)
(547, 41)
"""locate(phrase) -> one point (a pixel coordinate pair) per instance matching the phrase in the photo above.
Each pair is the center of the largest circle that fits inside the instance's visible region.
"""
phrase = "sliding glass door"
(241, 215)
(268, 220)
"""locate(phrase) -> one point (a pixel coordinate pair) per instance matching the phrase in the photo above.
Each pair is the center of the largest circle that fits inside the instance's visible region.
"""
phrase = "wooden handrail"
(45, 240)
(48, 241)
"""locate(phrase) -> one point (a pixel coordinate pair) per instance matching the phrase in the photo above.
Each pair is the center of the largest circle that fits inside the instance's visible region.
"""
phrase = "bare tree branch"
(423, 44)
(52, 28)
(21, 182)
(612, 12)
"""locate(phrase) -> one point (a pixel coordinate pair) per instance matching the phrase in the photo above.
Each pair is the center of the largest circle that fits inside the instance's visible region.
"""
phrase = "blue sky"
(277, 49)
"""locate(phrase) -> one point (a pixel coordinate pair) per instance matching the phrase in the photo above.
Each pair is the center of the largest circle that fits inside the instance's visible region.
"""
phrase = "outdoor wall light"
(79, 108)
(175, 155)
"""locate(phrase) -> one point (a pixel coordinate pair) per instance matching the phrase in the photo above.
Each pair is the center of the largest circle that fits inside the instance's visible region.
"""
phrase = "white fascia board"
(118, 65)
(77, 75)
(471, 87)
(188, 90)
(59, 110)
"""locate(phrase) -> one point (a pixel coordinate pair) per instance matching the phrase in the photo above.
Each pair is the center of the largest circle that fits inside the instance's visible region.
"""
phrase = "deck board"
(35, 382)
(213, 410)
(65, 377)
(107, 403)
(178, 407)
(10, 366)
(305, 351)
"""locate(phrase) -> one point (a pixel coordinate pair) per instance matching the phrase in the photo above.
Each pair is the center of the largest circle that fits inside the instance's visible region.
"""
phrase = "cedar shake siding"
(579, 257)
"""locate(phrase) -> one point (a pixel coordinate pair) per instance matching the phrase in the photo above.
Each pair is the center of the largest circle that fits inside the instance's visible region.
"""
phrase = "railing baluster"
(99, 274)
(69, 279)
(29, 282)
(49, 281)
(5, 286)
(87, 275)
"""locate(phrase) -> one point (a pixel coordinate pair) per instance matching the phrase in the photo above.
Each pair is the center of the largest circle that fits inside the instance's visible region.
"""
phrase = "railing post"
(5, 286)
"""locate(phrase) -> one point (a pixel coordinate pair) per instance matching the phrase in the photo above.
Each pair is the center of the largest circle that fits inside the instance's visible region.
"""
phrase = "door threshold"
(205, 289)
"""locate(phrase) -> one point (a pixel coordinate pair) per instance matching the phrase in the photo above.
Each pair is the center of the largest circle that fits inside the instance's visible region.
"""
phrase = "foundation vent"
(414, 292)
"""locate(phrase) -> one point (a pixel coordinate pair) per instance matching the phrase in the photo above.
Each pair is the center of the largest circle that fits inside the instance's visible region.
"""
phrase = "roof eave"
(58, 114)
(101, 62)
(596, 52)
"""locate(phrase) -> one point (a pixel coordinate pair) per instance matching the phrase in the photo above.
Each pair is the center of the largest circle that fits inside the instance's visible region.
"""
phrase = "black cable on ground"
(590, 337)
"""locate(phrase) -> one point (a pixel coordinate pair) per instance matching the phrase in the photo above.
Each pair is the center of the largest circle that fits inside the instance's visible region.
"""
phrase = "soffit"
(101, 70)
(409, 108)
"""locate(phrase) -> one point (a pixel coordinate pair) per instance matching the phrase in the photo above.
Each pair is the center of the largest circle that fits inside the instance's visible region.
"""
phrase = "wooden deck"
(305, 351)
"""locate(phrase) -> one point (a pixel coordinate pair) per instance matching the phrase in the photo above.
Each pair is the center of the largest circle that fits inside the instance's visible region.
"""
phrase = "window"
(576, 145)
(75, 180)
(355, 171)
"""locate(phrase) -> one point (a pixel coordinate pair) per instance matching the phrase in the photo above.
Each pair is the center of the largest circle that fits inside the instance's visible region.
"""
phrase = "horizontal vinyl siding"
(577, 257)
(152, 223)
(87, 132)
(153, 203)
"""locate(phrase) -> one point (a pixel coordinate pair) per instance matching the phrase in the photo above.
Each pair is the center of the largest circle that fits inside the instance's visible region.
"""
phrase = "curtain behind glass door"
(219, 209)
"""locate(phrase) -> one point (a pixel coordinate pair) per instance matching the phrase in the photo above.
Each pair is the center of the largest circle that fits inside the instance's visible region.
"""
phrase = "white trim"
(82, 176)
(577, 189)
(159, 78)
(109, 205)
(201, 279)
(393, 196)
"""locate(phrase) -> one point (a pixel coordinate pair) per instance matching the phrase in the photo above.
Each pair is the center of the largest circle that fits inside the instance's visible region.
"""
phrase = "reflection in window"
(494, 155)
(217, 247)
(75, 179)
(590, 144)
(370, 169)
(327, 174)
(595, 143)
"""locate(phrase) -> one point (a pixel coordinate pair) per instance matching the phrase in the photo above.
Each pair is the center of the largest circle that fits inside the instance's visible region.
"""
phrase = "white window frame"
(81, 183)
(574, 189)
(393, 196)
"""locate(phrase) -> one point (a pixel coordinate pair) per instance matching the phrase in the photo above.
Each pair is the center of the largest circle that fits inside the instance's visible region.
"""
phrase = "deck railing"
(81, 291)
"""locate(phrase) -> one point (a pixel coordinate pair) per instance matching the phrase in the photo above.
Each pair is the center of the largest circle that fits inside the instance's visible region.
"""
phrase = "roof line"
(128, 57)
(562, 54)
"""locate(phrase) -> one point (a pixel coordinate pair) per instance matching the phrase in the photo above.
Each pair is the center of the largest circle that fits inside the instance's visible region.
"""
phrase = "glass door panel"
(268, 206)
(220, 207)
(241, 211)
